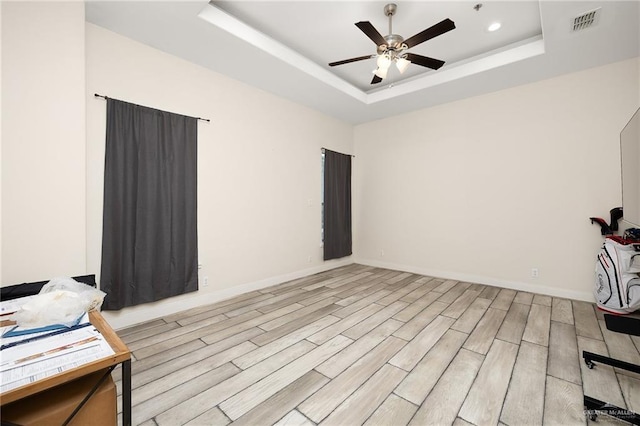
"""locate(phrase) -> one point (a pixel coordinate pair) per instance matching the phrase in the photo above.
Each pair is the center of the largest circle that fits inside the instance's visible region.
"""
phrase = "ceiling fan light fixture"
(384, 61)
(402, 64)
(382, 72)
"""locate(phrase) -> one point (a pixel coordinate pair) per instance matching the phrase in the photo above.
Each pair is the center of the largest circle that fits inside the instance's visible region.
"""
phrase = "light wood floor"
(362, 345)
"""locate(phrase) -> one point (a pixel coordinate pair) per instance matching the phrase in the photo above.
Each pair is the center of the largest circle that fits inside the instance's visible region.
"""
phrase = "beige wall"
(43, 141)
(487, 188)
(0, 145)
(258, 168)
(482, 189)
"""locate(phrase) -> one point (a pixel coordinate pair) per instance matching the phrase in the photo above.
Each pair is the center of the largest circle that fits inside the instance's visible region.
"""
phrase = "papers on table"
(30, 357)
(11, 306)
(14, 335)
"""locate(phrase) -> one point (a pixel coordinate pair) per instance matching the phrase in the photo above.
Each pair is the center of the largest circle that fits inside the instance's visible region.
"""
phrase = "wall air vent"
(586, 20)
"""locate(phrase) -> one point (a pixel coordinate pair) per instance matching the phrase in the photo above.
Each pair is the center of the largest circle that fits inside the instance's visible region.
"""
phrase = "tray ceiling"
(285, 47)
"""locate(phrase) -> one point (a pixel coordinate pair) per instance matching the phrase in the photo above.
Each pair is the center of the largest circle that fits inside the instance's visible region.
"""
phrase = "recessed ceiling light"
(494, 27)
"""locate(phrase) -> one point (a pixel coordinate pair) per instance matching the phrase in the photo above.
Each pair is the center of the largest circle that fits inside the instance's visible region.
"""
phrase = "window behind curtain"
(337, 205)
(149, 239)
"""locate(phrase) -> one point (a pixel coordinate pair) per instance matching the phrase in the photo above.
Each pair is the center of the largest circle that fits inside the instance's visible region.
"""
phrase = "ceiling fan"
(391, 48)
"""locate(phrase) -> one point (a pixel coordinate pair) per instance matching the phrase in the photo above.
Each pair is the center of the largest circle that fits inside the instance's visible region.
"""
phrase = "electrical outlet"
(205, 281)
(535, 273)
(309, 259)
(381, 252)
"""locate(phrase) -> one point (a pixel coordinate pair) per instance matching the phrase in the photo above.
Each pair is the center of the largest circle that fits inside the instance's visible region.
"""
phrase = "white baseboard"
(479, 279)
(150, 311)
(128, 317)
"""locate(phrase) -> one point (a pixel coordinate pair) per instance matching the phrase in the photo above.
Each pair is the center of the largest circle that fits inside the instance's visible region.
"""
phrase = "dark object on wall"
(616, 215)
(605, 229)
(149, 237)
(609, 228)
(29, 289)
(337, 205)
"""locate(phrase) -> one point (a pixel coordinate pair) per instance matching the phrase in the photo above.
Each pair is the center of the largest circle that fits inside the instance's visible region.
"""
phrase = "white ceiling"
(284, 47)
(335, 37)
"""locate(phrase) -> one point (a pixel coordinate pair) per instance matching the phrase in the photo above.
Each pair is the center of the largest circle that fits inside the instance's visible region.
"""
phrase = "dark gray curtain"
(337, 205)
(149, 237)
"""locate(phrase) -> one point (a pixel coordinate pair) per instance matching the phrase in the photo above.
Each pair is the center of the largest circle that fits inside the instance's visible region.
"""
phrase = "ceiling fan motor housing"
(394, 41)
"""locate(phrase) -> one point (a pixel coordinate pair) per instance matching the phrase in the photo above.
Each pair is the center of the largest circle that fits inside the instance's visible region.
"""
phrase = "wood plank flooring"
(363, 345)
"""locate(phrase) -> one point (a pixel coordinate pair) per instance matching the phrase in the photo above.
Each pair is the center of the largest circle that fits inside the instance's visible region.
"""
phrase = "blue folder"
(19, 331)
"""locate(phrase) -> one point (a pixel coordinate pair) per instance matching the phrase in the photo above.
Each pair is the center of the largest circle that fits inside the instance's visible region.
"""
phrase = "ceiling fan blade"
(348, 61)
(376, 80)
(431, 32)
(371, 32)
(424, 61)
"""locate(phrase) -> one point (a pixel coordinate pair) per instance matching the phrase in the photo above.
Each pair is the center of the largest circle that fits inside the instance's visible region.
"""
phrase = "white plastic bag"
(91, 297)
(60, 301)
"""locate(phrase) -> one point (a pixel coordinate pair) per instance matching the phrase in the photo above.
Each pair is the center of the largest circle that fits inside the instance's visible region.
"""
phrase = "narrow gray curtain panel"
(337, 205)
(149, 237)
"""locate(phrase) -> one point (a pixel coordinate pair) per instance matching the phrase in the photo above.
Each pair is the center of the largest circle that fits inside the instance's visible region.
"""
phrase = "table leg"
(126, 392)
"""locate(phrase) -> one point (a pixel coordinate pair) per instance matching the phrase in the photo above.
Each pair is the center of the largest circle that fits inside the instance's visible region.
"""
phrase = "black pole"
(197, 118)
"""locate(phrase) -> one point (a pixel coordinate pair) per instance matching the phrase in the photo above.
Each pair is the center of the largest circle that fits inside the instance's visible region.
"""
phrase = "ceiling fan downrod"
(390, 10)
(394, 41)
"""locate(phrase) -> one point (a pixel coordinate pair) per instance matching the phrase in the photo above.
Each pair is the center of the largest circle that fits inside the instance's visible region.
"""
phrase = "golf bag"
(617, 276)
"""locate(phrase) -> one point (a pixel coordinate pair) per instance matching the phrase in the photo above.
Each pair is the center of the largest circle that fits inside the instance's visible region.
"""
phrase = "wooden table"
(121, 356)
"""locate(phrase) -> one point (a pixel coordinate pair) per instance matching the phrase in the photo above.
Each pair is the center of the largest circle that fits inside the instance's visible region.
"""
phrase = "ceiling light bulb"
(383, 61)
(402, 64)
(494, 27)
(382, 72)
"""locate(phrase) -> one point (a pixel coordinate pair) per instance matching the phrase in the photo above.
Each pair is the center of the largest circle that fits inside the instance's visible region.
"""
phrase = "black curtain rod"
(327, 149)
(197, 118)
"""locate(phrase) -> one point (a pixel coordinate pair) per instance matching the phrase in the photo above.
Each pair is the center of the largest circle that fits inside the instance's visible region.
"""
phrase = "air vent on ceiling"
(586, 20)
